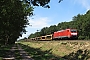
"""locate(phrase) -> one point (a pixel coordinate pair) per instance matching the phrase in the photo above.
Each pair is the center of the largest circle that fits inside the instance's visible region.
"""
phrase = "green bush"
(81, 37)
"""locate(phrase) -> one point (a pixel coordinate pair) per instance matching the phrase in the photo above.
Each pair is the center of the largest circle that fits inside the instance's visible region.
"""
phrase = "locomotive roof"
(64, 30)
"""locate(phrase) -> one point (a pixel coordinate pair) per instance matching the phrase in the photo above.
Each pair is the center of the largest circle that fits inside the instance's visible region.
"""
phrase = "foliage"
(13, 20)
(43, 3)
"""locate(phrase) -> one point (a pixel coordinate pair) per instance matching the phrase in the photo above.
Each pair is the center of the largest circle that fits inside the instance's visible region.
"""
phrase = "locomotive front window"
(73, 31)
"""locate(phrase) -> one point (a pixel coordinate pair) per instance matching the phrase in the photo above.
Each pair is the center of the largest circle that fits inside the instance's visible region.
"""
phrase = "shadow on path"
(23, 53)
(14, 52)
(6, 52)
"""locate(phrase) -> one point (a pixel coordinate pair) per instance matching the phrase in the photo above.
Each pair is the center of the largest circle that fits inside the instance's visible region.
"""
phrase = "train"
(58, 35)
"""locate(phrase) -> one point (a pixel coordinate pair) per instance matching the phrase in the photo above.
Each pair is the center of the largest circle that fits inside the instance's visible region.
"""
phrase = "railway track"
(60, 40)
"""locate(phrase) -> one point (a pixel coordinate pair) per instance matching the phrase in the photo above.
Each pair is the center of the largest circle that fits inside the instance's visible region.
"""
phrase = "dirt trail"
(24, 54)
(11, 54)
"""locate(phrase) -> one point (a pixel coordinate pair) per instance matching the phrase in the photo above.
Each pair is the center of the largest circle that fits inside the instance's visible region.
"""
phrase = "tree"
(52, 29)
(43, 3)
(13, 20)
(32, 36)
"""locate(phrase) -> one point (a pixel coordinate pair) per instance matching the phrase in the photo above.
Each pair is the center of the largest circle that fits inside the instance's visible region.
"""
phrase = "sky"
(57, 13)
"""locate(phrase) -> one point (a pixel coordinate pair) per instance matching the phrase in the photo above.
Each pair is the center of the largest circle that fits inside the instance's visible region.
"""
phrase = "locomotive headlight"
(73, 33)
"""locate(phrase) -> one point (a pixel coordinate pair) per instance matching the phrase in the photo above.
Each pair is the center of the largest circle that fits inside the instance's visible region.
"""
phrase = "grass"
(46, 50)
(37, 54)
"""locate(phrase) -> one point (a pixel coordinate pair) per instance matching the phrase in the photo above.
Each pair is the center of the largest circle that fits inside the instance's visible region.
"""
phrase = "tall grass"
(53, 49)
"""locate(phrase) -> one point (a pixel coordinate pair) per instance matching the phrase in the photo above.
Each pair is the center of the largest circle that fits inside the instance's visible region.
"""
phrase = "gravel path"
(24, 54)
(11, 54)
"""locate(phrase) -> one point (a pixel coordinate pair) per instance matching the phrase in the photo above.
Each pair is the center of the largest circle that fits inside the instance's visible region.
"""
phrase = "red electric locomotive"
(68, 33)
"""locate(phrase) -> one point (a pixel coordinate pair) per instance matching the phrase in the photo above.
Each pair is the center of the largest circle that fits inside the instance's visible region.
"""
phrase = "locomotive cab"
(73, 33)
